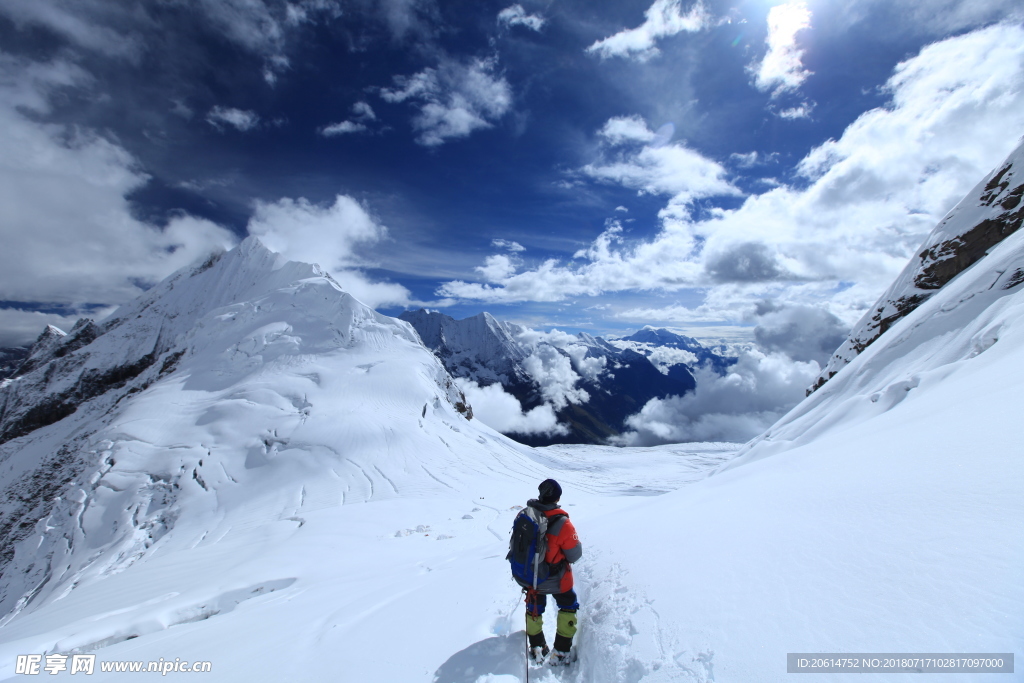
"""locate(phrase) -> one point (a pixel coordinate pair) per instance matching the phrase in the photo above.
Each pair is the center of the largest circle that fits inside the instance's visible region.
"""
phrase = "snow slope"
(987, 215)
(284, 481)
(881, 515)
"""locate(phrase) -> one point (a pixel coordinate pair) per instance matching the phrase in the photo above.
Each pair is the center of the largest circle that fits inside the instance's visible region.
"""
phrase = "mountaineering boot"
(535, 634)
(563, 638)
(538, 646)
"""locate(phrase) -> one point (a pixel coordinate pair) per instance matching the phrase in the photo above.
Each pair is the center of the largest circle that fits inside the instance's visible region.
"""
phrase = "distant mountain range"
(614, 378)
(11, 359)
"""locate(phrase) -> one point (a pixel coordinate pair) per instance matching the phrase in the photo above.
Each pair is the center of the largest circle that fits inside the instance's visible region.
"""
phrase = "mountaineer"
(543, 548)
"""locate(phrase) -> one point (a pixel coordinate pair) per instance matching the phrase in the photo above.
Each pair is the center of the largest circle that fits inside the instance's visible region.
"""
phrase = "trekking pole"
(526, 630)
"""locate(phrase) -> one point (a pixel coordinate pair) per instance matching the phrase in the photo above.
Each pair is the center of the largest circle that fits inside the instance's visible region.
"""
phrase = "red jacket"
(563, 546)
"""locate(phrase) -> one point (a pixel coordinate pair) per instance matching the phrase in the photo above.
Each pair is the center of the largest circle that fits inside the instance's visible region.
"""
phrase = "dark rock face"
(944, 261)
(1015, 279)
(56, 406)
(990, 213)
(30, 498)
(41, 351)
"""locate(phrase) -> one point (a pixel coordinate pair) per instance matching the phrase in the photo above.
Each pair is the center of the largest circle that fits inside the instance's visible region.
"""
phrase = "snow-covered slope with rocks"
(197, 392)
(988, 214)
(974, 318)
(481, 348)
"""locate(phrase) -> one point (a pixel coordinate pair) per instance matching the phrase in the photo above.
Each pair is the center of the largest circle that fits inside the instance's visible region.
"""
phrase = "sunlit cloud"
(782, 68)
(454, 99)
(662, 19)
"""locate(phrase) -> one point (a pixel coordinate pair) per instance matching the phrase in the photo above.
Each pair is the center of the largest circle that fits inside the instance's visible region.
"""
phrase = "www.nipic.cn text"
(86, 664)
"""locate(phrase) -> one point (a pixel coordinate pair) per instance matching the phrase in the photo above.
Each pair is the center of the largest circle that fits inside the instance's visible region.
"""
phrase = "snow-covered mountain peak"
(484, 346)
(662, 337)
(244, 383)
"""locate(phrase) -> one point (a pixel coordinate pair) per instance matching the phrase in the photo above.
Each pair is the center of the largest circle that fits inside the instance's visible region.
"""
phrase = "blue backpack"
(529, 546)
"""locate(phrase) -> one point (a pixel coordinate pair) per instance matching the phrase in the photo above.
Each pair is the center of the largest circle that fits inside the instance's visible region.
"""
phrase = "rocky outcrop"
(990, 213)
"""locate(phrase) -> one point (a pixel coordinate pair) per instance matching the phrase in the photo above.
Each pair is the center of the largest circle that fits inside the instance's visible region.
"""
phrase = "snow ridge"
(990, 213)
(212, 379)
(944, 334)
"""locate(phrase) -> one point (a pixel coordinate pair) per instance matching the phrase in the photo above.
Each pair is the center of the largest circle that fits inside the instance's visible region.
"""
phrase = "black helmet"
(550, 491)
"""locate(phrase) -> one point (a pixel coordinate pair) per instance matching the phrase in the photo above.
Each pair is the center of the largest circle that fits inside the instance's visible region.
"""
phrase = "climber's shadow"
(498, 656)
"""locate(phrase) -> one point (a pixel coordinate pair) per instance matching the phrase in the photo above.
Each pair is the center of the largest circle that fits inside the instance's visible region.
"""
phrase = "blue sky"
(578, 164)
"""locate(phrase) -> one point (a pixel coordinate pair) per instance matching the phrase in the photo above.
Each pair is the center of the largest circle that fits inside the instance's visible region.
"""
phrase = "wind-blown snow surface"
(858, 525)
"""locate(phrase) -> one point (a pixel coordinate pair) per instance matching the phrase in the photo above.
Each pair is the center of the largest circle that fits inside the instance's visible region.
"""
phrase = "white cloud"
(872, 195)
(362, 114)
(67, 230)
(249, 23)
(240, 119)
(623, 129)
(181, 109)
(672, 169)
(503, 412)
(635, 156)
(329, 236)
(803, 333)
(930, 17)
(662, 19)
(555, 376)
(801, 111)
(496, 268)
(454, 99)
(507, 245)
(782, 68)
(588, 367)
(557, 362)
(78, 22)
(405, 18)
(515, 15)
(744, 160)
(342, 128)
(262, 27)
(662, 357)
(123, 30)
(757, 391)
